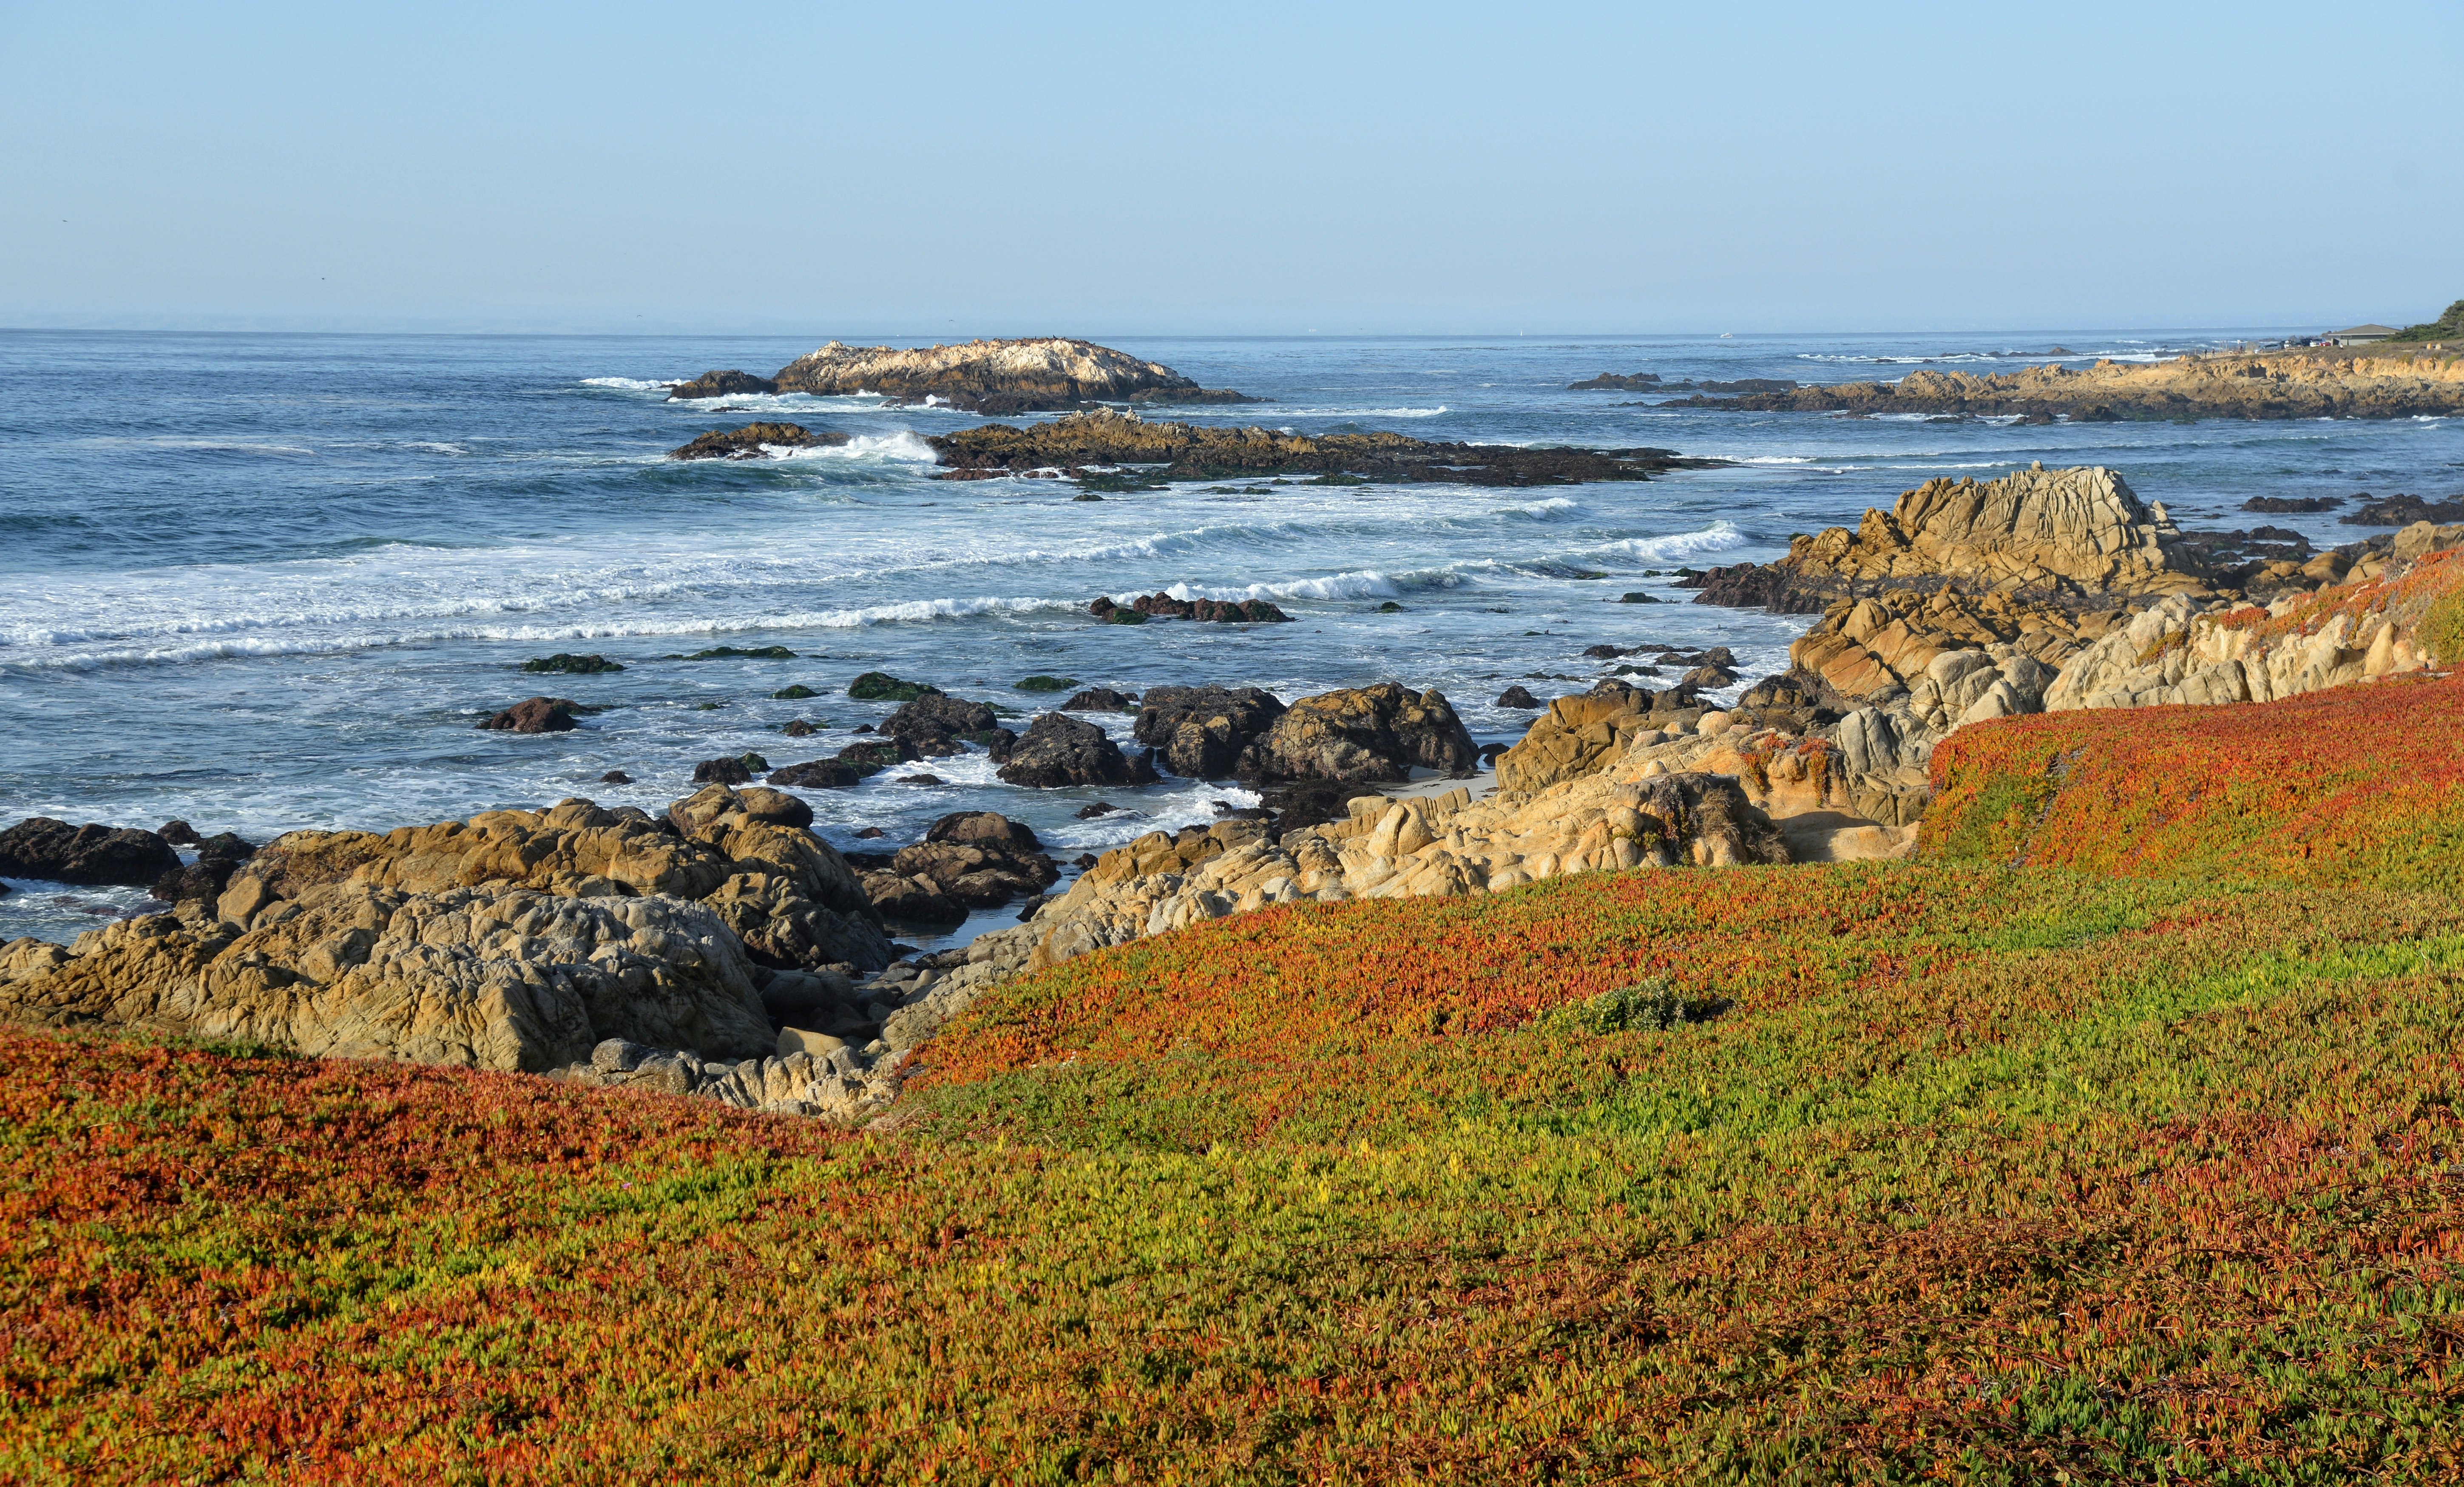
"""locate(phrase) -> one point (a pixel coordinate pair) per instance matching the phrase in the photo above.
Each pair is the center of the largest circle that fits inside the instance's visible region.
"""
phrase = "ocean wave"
(1776, 459)
(633, 383)
(904, 445)
(1242, 410)
(1368, 583)
(1718, 537)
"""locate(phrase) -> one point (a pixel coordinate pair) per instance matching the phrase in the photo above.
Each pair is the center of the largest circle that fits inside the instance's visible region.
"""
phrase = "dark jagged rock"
(1199, 732)
(2402, 511)
(2292, 505)
(178, 833)
(800, 728)
(739, 653)
(217, 857)
(1637, 597)
(1184, 452)
(91, 855)
(1044, 684)
(1214, 612)
(566, 663)
(1059, 750)
(873, 757)
(996, 378)
(882, 687)
(535, 716)
(1517, 696)
(818, 774)
(795, 693)
(721, 384)
(1615, 381)
(1101, 699)
(615, 777)
(936, 725)
(754, 441)
(722, 772)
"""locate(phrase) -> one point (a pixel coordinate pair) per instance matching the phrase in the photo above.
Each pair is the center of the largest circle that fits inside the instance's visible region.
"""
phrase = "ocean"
(270, 582)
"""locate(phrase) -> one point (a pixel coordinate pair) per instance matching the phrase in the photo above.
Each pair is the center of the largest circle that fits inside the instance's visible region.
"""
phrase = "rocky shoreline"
(2315, 383)
(722, 949)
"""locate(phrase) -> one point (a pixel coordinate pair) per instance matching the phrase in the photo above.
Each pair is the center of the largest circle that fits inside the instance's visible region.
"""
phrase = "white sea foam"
(1718, 537)
(1245, 410)
(904, 445)
(633, 383)
(1776, 459)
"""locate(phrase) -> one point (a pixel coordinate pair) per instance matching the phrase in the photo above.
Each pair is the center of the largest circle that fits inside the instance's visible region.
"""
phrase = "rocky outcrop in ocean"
(1186, 452)
(999, 378)
(755, 441)
(92, 855)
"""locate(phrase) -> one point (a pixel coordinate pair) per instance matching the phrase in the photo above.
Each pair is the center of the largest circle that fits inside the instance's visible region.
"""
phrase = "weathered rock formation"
(971, 860)
(1184, 452)
(1200, 733)
(2315, 383)
(92, 855)
(1060, 751)
(1362, 735)
(755, 441)
(937, 726)
(204, 879)
(535, 716)
(1101, 699)
(995, 377)
(729, 383)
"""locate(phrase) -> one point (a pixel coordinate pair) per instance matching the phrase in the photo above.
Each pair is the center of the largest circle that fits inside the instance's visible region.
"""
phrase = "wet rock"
(882, 687)
(721, 771)
(1044, 684)
(1096, 808)
(1363, 735)
(2292, 505)
(871, 832)
(1637, 597)
(615, 777)
(796, 692)
(937, 724)
(730, 384)
(819, 774)
(1616, 381)
(872, 757)
(217, 857)
(1101, 699)
(566, 663)
(799, 728)
(1200, 733)
(1517, 696)
(739, 653)
(980, 858)
(754, 441)
(2402, 511)
(1211, 611)
(535, 716)
(920, 780)
(1060, 751)
(90, 855)
(178, 833)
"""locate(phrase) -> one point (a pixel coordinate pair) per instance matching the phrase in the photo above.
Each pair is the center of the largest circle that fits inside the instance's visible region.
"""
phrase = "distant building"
(2361, 335)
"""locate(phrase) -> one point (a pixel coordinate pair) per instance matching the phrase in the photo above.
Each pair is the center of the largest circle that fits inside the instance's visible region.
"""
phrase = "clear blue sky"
(1236, 168)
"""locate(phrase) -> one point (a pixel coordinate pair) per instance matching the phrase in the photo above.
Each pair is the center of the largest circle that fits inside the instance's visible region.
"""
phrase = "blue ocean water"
(264, 582)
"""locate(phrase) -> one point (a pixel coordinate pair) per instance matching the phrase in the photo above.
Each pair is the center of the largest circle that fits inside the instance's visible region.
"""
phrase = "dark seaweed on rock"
(1184, 452)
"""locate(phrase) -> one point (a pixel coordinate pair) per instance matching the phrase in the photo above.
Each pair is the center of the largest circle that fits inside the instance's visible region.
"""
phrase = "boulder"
(91, 855)
(1519, 697)
(936, 725)
(217, 857)
(915, 900)
(566, 663)
(980, 858)
(1211, 611)
(1363, 735)
(818, 774)
(1101, 699)
(722, 772)
(730, 384)
(754, 441)
(882, 687)
(1580, 736)
(1060, 751)
(178, 833)
(1199, 732)
(535, 716)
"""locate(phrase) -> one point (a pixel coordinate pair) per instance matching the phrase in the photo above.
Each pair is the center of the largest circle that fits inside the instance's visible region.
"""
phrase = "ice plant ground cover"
(2119, 1139)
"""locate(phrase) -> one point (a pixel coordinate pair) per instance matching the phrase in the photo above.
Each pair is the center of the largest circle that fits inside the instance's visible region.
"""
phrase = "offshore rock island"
(996, 378)
(2309, 383)
(1104, 443)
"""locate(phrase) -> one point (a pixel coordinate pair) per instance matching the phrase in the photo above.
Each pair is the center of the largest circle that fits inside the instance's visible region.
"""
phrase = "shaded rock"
(819, 774)
(566, 663)
(1059, 750)
(1044, 684)
(799, 728)
(872, 758)
(1187, 451)
(2402, 511)
(920, 780)
(882, 687)
(91, 855)
(754, 441)
(980, 858)
(1363, 735)
(1614, 382)
(535, 716)
(1093, 809)
(1200, 733)
(1517, 696)
(2292, 505)
(913, 900)
(936, 725)
(739, 653)
(729, 383)
(721, 771)
(1101, 699)
(178, 833)
(796, 693)
(217, 857)
(1580, 736)
(615, 777)
(1164, 607)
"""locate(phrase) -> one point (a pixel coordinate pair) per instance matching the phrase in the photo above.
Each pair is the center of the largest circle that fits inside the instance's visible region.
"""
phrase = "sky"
(1229, 169)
